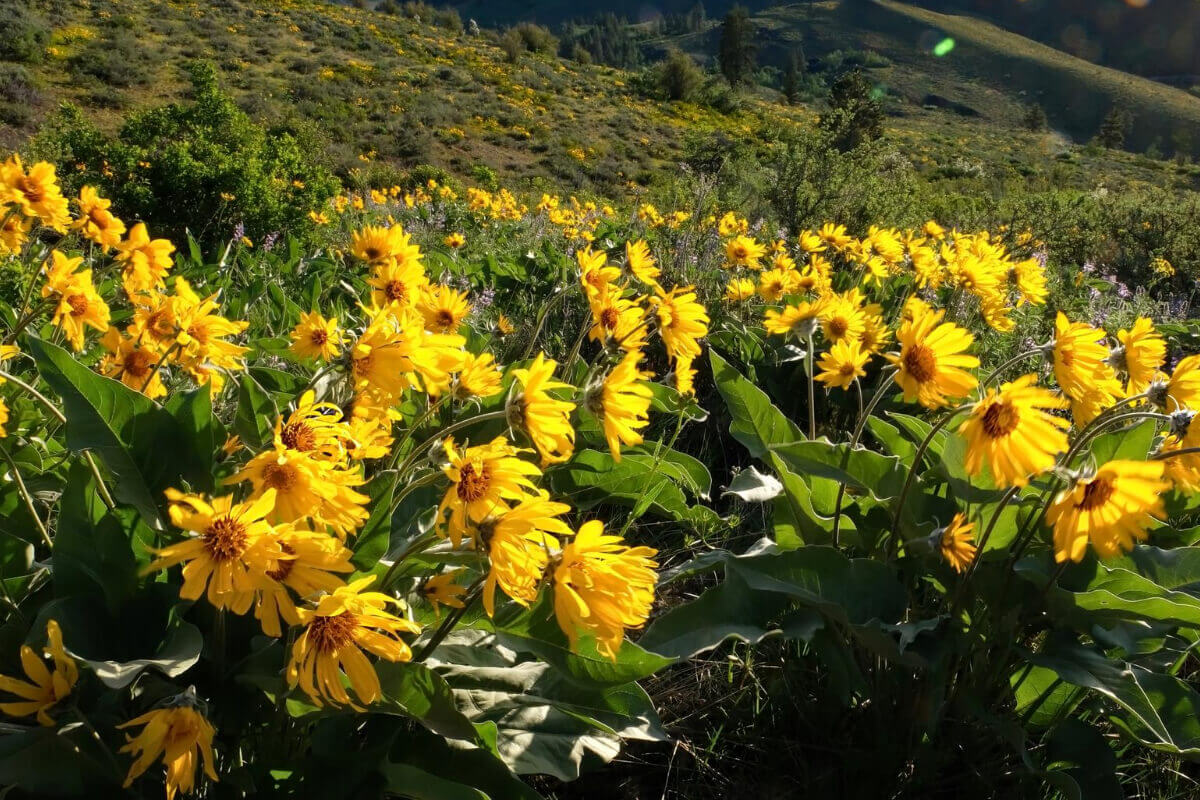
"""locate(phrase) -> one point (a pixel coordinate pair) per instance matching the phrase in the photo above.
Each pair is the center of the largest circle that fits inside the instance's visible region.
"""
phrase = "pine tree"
(1035, 117)
(737, 51)
(1112, 129)
(855, 115)
(794, 74)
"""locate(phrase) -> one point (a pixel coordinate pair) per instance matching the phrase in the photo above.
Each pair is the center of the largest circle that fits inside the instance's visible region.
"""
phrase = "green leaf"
(454, 769)
(374, 538)
(93, 552)
(1083, 753)
(757, 424)
(55, 762)
(194, 415)
(256, 413)
(862, 470)
(138, 441)
(592, 477)
(420, 692)
(1129, 444)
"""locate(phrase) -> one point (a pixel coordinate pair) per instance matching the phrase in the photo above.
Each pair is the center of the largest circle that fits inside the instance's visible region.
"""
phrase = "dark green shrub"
(116, 61)
(18, 94)
(679, 77)
(204, 164)
(23, 35)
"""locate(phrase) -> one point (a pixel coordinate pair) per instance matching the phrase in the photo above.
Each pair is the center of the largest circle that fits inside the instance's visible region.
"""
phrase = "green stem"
(1010, 362)
(169, 352)
(812, 402)
(416, 424)
(854, 440)
(983, 540)
(918, 458)
(448, 624)
(537, 331)
(27, 497)
(443, 433)
(659, 451)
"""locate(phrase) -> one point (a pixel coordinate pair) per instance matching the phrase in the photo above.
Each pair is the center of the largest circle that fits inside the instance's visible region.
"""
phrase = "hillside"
(988, 73)
(387, 93)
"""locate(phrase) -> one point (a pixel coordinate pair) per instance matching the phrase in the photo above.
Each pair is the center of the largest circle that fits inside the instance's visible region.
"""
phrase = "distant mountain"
(1155, 38)
(552, 12)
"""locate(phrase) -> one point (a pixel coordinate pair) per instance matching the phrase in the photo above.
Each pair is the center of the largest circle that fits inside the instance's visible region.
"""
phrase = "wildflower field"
(439, 489)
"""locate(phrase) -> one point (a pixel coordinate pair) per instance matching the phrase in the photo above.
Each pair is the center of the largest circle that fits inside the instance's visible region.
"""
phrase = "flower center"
(32, 191)
(838, 326)
(319, 337)
(78, 304)
(1096, 494)
(920, 362)
(225, 539)
(136, 363)
(609, 318)
(1000, 419)
(395, 291)
(473, 485)
(298, 436)
(281, 477)
(329, 634)
(445, 320)
(372, 253)
(283, 567)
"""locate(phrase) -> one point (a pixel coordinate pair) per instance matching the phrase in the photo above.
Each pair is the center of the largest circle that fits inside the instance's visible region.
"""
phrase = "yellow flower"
(454, 241)
(1081, 368)
(1183, 471)
(478, 377)
(875, 335)
(685, 376)
(305, 567)
(1011, 431)
(744, 251)
(773, 284)
(932, 229)
(441, 590)
(377, 245)
(931, 365)
(811, 242)
(14, 230)
(1030, 278)
(504, 326)
(443, 308)
(145, 261)
(1141, 355)
(843, 364)
(617, 318)
(519, 542)
(336, 631)
(77, 303)
(397, 283)
(682, 322)
(395, 353)
(316, 337)
(230, 549)
(602, 587)
(3, 418)
(843, 318)
(956, 543)
(304, 487)
(547, 421)
(595, 273)
(34, 193)
(739, 290)
(202, 333)
(132, 362)
(799, 319)
(314, 429)
(96, 222)
(45, 688)
(483, 480)
(1182, 389)
(1112, 509)
(835, 235)
(640, 263)
(182, 736)
(622, 403)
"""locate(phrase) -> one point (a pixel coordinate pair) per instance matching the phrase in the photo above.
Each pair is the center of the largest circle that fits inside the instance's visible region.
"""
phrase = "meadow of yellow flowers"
(408, 518)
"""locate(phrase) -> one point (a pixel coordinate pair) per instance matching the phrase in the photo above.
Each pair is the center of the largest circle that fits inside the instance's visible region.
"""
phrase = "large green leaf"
(424, 766)
(420, 692)
(256, 413)
(592, 477)
(757, 424)
(862, 470)
(93, 553)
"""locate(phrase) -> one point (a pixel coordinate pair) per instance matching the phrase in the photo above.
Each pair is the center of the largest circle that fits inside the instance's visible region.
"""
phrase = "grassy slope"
(415, 94)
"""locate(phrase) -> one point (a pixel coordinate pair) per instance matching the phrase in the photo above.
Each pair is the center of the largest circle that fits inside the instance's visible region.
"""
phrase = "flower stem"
(812, 403)
(448, 624)
(27, 497)
(854, 439)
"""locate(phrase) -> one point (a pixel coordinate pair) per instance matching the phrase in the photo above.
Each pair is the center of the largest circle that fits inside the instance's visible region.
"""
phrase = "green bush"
(18, 94)
(23, 35)
(206, 161)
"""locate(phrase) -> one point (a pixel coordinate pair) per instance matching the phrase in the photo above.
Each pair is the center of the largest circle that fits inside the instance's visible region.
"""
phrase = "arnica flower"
(956, 542)
(306, 567)
(78, 305)
(96, 222)
(602, 587)
(1112, 509)
(1081, 368)
(640, 263)
(316, 337)
(35, 193)
(3, 418)
(1011, 432)
(835, 235)
(397, 283)
(1140, 356)
(230, 551)
(773, 284)
(800, 319)
(519, 543)
(315, 429)
(1182, 471)
(812, 242)
(45, 687)
(1030, 279)
(181, 736)
(842, 364)
(595, 273)
(618, 319)
(145, 261)
(622, 404)
(336, 632)
(484, 480)
(739, 290)
(444, 308)
(395, 353)
(306, 488)
(1182, 389)
(133, 363)
(479, 376)
(743, 251)
(454, 241)
(504, 326)
(378, 245)
(875, 335)
(546, 420)
(842, 318)
(931, 365)
(682, 322)
(14, 231)
(685, 377)
(443, 590)
(202, 335)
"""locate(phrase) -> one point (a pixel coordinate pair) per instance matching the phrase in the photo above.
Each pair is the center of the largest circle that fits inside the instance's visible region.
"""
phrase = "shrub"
(855, 115)
(18, 94)
(23, 35)
(679, 77)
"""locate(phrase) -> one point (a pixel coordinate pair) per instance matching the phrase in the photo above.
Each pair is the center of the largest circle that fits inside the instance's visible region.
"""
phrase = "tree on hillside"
(793, 76)
(855, 114)
(680, 77)
(1112, 129)
(1035, 117)
(737, 51)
